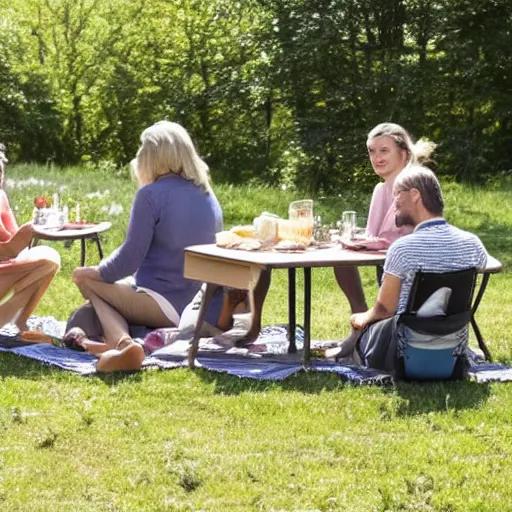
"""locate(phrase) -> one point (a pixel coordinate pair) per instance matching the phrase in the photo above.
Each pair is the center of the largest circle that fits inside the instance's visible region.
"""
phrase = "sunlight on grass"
(182, 440)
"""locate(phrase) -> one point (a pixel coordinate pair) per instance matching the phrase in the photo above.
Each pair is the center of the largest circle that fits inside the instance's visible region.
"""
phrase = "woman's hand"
(81, 273)
(19, 241)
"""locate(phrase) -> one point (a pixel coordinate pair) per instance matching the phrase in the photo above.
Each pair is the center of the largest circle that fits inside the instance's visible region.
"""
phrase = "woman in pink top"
(390, 149)
(25, 274)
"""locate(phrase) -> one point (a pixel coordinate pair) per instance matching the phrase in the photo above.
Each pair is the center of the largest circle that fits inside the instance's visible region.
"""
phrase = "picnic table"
(73, 232)
(217, 266)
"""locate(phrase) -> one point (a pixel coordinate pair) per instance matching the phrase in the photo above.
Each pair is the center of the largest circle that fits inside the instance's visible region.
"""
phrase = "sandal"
(35, 337)
(74, 338)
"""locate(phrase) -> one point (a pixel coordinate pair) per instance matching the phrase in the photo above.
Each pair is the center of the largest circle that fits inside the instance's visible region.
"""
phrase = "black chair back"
(461, 282)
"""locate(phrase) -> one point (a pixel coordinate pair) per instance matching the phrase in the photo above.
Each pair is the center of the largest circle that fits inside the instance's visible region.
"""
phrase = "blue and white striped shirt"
(434, 246)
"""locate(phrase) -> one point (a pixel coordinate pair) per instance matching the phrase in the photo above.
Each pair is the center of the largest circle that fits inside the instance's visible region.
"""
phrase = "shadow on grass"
(416, 398)
(308, 383)
(421, 398)
(13, 365)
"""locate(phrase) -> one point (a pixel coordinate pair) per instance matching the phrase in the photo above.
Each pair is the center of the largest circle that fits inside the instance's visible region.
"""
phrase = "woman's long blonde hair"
(167, 147)
(416, 153)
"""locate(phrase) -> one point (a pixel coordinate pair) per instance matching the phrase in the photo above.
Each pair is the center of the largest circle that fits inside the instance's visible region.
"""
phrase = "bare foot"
(22, 326)
(346, 347)
(127, 357)
(250, 337)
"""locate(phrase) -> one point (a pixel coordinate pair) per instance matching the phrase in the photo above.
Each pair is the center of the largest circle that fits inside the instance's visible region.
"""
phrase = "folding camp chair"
(439, 356)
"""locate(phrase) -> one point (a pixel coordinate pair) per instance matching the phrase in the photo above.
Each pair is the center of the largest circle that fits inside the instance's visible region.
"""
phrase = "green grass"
(195, 440)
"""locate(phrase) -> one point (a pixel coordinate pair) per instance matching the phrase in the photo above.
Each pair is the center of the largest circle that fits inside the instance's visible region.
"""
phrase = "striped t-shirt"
(434, 246)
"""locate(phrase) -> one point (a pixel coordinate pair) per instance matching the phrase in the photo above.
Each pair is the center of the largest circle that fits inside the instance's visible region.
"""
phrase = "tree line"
(273, 91)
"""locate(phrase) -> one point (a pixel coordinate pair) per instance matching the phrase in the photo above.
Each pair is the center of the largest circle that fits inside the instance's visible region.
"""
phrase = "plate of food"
(289, 246)
(77, 225)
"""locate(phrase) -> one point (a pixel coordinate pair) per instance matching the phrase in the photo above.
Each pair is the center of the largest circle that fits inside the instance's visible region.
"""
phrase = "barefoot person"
(25, 274)
(390, 149)
(433, 246)
(174, 207)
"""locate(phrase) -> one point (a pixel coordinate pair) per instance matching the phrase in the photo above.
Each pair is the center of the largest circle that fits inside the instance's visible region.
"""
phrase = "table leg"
(98, 245)
(82, 252)
(478, 334)
(307, 317)
(194, 347)
(292, 347)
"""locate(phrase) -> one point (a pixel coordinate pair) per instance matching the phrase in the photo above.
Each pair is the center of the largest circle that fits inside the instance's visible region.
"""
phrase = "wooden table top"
(67, 234)
(328, 257)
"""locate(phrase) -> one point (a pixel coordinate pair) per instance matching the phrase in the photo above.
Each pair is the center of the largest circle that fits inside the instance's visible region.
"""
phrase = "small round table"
(69, 233)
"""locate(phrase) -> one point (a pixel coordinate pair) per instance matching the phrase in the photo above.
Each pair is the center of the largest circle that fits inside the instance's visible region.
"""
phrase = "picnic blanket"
(265, 359)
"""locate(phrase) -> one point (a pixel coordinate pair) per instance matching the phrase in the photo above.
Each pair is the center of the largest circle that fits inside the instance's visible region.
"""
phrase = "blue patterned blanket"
(265, 359)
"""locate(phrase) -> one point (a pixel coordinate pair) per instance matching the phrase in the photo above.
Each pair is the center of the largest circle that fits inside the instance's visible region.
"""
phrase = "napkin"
(368, 244)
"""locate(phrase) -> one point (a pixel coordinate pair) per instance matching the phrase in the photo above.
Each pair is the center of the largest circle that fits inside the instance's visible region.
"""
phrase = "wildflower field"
(186, 440)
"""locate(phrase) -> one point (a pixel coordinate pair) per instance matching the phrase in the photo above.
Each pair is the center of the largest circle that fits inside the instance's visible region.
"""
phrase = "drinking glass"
(349, 223)
(301, 218)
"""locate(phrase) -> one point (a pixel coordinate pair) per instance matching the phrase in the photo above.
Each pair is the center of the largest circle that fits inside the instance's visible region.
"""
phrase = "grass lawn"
(185, 440)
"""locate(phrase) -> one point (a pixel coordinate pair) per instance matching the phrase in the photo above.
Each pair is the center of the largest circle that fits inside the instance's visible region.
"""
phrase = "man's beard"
(402, 219)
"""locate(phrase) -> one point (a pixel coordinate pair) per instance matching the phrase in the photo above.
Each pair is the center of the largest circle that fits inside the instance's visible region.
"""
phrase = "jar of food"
(265, 227)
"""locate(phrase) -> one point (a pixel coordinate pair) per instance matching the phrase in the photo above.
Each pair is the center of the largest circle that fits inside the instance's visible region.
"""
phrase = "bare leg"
(119, 304)
(128, 356)
(234, 301)
(115, 327)
(116, 305)
(27, 280)
(94, 347)
(76, 338)
(258, 295)
(50, 269)
(346, 348)
(349, 281)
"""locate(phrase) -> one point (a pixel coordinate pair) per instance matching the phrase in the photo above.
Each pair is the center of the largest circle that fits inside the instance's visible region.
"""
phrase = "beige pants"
(118, 305)
(23, 282)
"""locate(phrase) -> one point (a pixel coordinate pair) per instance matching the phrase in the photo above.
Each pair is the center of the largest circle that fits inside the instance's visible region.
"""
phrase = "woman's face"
(386, 157)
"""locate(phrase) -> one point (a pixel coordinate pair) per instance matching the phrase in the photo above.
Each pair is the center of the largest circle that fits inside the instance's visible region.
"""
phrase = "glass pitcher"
(300, 214)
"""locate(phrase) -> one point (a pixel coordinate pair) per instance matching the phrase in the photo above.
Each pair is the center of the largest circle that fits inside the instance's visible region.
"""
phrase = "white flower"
(115, 209)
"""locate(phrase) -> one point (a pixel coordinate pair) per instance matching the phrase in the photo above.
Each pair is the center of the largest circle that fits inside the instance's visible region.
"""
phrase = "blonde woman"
(391, 150)
(174, 207)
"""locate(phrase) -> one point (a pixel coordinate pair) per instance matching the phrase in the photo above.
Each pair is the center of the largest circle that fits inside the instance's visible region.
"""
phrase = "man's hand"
(81, 273)
(359, 321)
(385, 306)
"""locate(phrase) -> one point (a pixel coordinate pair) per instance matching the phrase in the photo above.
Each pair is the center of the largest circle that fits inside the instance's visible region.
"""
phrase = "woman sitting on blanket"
(174, 207)
(25, 274)
(391, 150)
